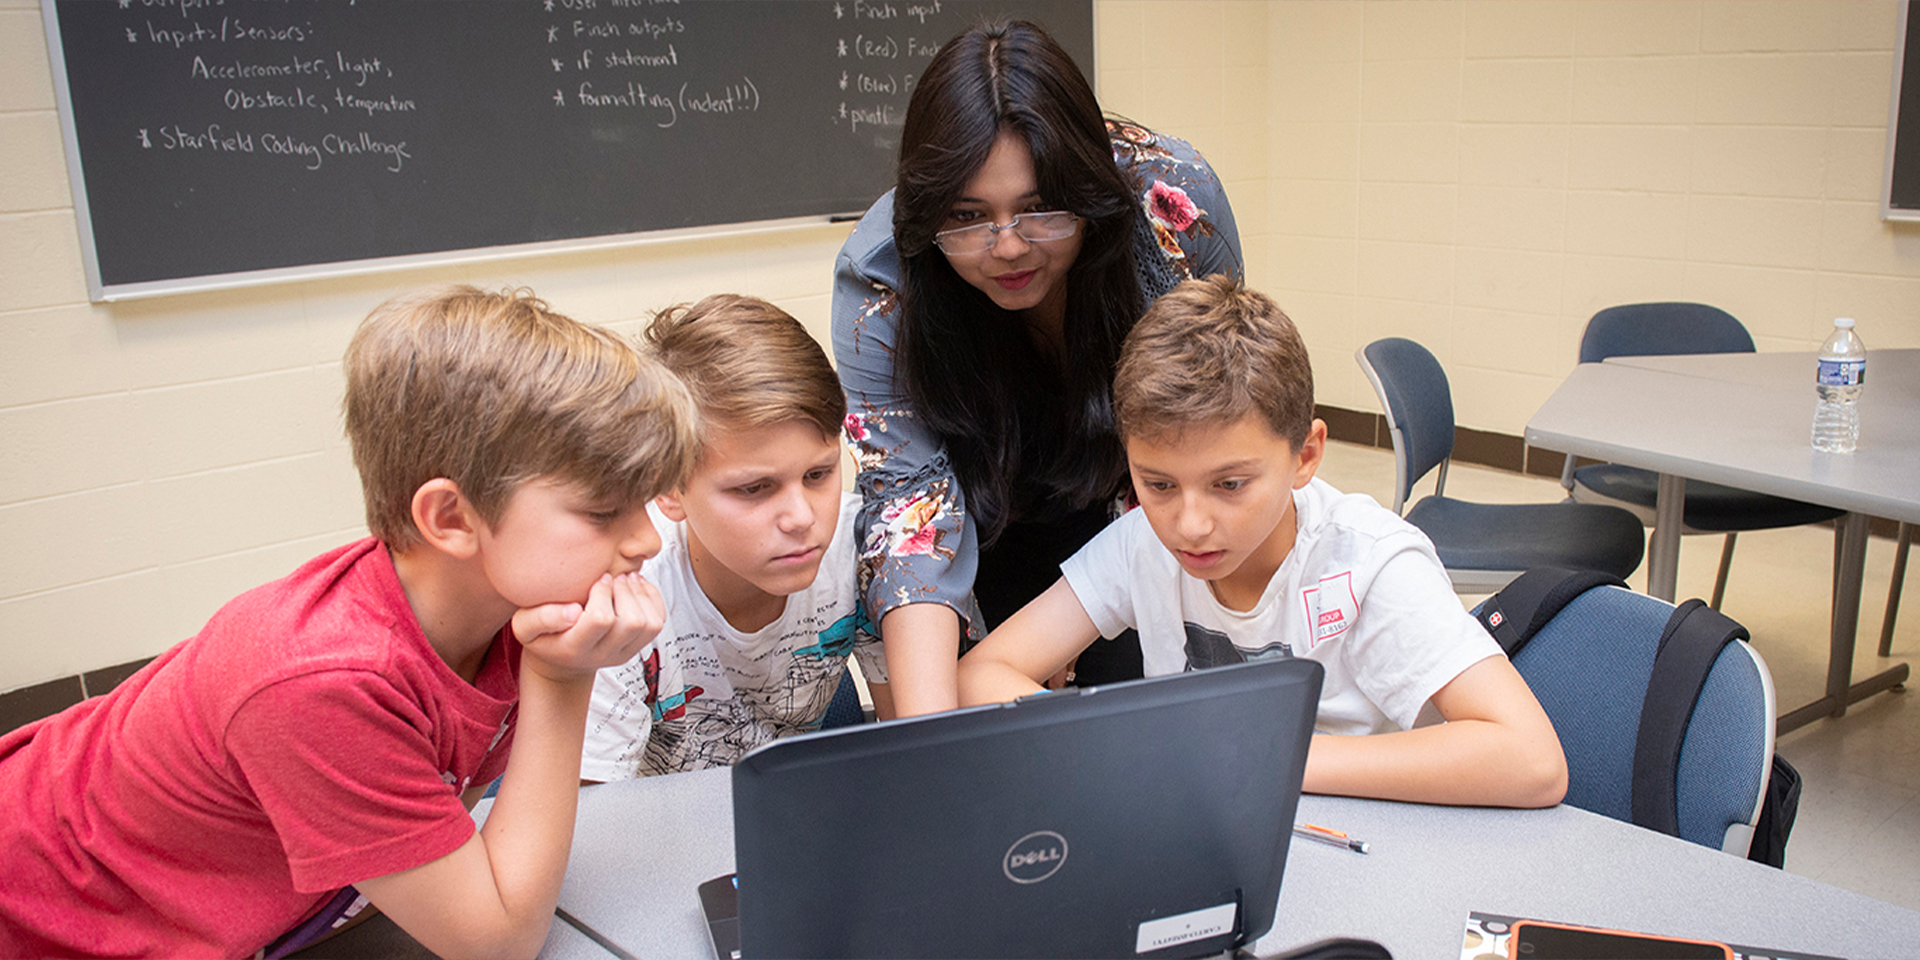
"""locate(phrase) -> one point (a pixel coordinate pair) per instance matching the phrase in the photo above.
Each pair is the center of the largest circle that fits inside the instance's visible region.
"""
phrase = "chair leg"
(1726, 563)
(1893, 589)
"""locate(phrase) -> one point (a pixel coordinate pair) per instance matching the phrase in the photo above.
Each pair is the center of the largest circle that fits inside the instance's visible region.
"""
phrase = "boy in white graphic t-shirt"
(756, 563)
(1238, 553)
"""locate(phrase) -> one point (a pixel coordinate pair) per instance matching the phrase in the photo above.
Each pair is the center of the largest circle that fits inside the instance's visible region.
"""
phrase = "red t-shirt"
(308, 738)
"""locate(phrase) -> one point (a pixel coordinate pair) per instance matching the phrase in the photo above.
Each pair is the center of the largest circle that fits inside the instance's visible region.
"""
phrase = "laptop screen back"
(1140, 819)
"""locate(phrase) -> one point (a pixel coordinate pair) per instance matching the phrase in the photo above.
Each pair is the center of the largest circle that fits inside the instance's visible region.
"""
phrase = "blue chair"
(1589, 667)
(845, 710)
(1482, 545)
(1646, 329)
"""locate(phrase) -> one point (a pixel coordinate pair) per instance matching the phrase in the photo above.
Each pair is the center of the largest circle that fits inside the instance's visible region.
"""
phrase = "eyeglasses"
(1032, 227)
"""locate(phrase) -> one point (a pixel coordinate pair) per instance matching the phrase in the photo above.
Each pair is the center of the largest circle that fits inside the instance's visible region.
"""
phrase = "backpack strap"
(1691, 642)
(1522, 607)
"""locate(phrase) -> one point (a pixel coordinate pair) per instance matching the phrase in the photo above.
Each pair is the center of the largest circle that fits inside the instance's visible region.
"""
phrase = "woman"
(978, 311)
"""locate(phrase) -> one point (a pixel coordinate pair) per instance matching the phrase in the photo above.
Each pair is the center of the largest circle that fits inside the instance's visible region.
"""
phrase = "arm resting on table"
(494, 895)
(1494, 724)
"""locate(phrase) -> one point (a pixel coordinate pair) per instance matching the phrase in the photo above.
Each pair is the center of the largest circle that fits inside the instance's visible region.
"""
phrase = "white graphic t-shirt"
(703, 694)
(1362, 592)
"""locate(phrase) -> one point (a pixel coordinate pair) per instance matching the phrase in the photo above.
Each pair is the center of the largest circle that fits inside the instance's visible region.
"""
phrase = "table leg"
(1846, 609)
(1901, 546)
(1845, 622)
(1663, 549)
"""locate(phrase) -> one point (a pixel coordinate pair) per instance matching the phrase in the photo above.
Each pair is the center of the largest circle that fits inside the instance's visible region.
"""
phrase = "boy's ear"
(670, 505)
(445, 518)
(1313, 451)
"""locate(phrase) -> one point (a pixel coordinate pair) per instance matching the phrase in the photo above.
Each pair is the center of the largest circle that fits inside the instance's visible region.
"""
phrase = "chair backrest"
(845, 709)
(1649, 329)
(1644, 329)
(1589, 668)
(1419, 408)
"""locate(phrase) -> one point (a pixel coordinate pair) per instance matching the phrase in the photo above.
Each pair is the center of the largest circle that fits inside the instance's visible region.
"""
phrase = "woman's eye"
(963, 216)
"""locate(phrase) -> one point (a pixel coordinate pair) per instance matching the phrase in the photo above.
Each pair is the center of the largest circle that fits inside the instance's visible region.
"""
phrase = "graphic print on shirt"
(754, 693)
(1330, 607)
(838, 638)
(1211, 648)
(673, 706)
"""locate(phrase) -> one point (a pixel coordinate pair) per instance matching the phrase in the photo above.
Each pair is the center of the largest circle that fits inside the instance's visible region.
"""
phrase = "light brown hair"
(749, 364)
(1208, 353)
(491, 390)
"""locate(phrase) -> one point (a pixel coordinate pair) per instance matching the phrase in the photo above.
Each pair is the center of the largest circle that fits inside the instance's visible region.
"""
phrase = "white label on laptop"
(1185, 928)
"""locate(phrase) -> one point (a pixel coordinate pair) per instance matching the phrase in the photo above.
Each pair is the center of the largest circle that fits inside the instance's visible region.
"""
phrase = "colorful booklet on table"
(1490, 936)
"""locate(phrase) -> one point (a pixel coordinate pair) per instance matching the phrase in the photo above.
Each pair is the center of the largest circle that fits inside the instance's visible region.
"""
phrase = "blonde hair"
(1210, 352)
(491, 390)
(749, 364)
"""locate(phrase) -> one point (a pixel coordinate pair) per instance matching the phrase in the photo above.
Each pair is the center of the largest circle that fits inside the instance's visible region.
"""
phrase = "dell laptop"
(1140, 819)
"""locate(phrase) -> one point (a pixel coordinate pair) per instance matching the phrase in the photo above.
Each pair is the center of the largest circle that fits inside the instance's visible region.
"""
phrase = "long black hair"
(973, 374)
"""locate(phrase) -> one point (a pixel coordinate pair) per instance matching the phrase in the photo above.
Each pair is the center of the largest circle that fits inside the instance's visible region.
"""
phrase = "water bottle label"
(1842, 373)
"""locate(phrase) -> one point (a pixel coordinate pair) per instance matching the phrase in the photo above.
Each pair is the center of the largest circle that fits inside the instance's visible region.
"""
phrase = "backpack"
(1691, 642)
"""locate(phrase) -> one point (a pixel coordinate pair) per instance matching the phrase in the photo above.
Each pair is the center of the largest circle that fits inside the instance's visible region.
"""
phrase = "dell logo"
(1034, 857)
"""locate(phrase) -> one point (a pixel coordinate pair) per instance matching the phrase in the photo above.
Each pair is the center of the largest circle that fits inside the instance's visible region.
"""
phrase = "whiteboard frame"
(101, 292)
(1887, 209)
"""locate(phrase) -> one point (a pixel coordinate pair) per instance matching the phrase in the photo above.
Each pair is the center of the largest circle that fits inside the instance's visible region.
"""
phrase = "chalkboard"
(1900, 195)
(221, 143)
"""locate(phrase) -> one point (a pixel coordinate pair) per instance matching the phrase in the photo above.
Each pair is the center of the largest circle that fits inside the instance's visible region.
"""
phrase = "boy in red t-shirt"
(323, 738)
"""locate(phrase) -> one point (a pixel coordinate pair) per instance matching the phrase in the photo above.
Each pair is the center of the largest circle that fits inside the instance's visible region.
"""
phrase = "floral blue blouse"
(917, 541)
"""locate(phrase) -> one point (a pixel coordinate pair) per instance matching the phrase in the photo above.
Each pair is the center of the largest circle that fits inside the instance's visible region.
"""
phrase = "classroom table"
(381, 939)
(642, 846)
(1744, 420)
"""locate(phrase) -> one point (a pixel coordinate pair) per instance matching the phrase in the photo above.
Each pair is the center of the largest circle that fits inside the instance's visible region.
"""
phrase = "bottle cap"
(1844, 323)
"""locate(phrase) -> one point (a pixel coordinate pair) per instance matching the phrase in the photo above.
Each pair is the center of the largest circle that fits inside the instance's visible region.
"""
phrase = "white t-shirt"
(703, 694)
(1362, 592)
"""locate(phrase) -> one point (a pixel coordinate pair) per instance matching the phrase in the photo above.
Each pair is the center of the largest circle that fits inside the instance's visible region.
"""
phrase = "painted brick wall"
(1484, 176)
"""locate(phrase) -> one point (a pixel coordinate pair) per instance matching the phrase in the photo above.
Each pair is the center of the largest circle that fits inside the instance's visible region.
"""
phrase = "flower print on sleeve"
(901, 459)
(861, 430)
(1183, 201)
(911, 527)
(882, 302)
(1172, 212)
(1170, 207)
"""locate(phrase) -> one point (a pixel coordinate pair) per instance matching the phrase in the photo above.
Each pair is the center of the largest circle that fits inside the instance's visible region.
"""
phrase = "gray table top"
(1743, 420)
(379, 938)
(1792, 368)
(566, 943)
(641, 847)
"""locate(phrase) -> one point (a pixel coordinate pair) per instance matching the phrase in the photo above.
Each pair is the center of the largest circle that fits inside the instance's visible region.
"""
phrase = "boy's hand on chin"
(565, 642)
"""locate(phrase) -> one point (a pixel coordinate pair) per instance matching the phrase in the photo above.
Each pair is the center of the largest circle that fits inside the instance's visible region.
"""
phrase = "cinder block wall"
(1484, 176)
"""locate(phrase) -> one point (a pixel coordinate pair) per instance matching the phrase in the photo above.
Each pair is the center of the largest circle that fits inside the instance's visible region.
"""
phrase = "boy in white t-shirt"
(1238, 553)
(756, 563)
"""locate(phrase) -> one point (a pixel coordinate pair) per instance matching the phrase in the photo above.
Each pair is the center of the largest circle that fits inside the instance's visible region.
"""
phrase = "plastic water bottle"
(1843, 370)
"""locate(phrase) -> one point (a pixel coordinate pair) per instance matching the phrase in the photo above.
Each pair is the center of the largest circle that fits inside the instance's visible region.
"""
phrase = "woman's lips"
(1014, 281)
